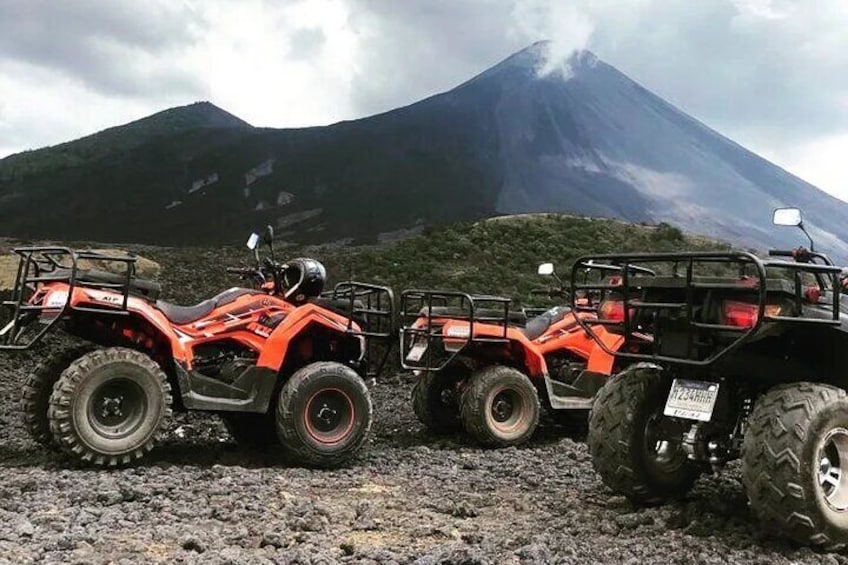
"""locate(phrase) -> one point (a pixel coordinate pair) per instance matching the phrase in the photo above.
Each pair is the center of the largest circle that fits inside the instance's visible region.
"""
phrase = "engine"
(223, 361)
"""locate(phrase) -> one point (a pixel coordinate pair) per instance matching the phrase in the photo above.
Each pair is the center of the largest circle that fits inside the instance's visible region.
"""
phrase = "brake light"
(812, 294)
(745, 314)
(613, 310)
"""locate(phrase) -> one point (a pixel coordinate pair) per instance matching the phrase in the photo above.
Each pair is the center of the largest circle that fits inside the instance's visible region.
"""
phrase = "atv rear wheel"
(324, 414)
(254, 431)
(435, 398)
(35, 394)
(500, 407)
(795, 463)
(109, 406)
(636, 450)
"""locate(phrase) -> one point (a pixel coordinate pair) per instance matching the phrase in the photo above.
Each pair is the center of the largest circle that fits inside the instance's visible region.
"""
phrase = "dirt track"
(409, 498)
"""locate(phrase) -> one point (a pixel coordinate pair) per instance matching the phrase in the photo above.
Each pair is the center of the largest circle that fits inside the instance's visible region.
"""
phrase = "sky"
(770, 74)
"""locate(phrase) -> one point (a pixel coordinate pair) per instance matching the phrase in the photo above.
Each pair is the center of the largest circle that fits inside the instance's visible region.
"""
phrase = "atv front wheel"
(435, 398)
(500, 407)
(795, 463)
(35, 394)
(254, 431)
(109, 406)
(324, 414)
(636, 450)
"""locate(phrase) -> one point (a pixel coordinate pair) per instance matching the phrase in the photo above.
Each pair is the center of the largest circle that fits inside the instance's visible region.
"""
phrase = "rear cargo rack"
(643, 311)
(438, 306)
(372, 308)
(41, 265)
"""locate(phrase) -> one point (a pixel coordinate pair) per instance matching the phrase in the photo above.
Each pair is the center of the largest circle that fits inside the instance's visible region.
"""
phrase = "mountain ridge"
(589, 141)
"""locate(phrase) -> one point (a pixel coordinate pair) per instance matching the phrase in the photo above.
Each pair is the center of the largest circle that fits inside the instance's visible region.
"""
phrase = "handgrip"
(781, 253)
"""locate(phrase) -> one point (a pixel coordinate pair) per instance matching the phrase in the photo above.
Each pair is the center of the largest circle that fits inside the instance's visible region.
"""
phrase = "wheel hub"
(112, 406)
(832, 467)
(327, 416)
(502, 407)
(117, 407)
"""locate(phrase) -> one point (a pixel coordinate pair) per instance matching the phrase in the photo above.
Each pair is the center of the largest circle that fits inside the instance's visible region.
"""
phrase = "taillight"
(613, 310)
(745, 314)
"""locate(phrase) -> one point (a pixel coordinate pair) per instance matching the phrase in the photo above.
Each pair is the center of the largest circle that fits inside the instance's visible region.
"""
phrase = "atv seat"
(143, 288)
(488, 315)
(540, 324)
(338, 305)
(187, 314)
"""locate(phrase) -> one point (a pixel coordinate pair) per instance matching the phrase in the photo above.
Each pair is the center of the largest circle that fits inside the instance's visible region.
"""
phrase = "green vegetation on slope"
(497, 256)
(117, 140)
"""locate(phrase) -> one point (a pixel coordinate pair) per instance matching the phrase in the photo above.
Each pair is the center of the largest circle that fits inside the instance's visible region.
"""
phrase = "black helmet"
(303, 278)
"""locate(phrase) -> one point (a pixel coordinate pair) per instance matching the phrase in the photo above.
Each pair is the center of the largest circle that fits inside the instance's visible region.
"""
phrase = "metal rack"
(372, 309)
(439, 306)
(38, 266)
(644, 309)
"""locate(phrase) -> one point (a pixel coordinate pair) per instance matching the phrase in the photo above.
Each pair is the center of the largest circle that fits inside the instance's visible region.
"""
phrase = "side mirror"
(546, 269)
(269, 238)
(787, 217)
(253, 241)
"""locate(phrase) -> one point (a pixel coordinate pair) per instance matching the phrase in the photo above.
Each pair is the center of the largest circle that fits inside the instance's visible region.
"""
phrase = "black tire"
(500, 407)
(793, 431)
(89, 401)
(624, 444)
(35, 394)
(435, 398)
(254, 431)
(324, 414)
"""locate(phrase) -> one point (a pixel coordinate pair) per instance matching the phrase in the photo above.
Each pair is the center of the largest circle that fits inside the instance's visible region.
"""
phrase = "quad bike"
(281, 362)
(736, 357)
(489, 369)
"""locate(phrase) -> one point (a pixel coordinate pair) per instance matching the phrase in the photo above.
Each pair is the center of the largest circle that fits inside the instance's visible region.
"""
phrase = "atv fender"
(273, 355)
(599, 360)
(136, 308)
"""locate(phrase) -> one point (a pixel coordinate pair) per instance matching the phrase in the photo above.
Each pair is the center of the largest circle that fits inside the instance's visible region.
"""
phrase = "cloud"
(117, 48)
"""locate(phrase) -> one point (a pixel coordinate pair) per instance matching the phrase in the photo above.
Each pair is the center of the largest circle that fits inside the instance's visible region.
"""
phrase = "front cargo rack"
(652, 304)
(425, 346)
(371, 308)
(39, 266)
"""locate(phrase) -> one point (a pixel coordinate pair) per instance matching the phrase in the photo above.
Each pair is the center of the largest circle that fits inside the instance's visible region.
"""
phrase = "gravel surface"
(410, 498)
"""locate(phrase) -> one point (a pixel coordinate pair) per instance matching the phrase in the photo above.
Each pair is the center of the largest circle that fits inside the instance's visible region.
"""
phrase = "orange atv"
(280, 362)
(487, 368)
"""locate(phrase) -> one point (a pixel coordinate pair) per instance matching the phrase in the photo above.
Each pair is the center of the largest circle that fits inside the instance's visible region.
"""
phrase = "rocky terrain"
(409, 498)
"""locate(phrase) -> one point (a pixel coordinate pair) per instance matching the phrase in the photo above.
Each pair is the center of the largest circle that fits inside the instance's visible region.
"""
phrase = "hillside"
(491, 256)
(110, 142)
(507, 141)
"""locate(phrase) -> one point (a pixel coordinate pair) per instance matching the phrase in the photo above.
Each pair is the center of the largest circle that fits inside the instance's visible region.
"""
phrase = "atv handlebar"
(781, 252)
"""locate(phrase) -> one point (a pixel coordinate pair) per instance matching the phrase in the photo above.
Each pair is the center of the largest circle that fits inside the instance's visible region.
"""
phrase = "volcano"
(586, 141)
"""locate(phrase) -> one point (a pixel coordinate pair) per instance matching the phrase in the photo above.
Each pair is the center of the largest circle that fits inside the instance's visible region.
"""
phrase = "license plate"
(692, 400)
(417, 351)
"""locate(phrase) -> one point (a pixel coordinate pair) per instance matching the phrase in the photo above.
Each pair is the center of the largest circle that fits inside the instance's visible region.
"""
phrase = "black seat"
(337, 305)
(540, 324)
(143, 288)
(187, 314)
(485, 315)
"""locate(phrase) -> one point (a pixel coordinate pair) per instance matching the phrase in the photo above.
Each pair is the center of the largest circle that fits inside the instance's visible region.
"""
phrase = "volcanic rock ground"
(409, 498)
